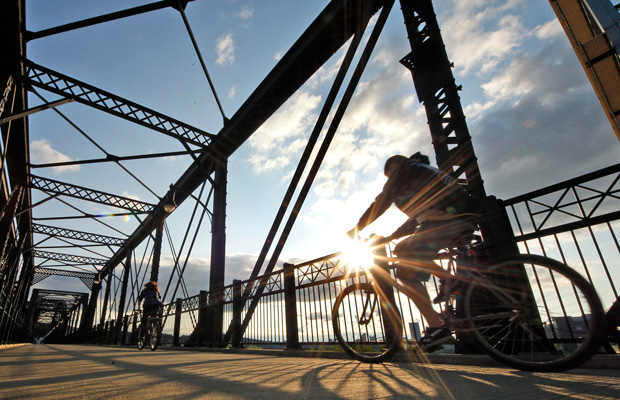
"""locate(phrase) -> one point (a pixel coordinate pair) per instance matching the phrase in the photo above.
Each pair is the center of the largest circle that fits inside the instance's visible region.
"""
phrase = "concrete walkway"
(92, 372)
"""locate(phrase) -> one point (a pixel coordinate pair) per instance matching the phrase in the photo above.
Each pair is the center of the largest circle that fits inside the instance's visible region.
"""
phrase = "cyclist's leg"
(423, 246)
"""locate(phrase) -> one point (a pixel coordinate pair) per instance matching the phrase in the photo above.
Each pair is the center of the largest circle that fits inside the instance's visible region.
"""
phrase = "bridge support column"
(218, 255)
(89, 317)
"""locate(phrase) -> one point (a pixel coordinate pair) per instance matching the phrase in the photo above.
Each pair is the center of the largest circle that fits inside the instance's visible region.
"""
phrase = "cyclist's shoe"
(434, 338)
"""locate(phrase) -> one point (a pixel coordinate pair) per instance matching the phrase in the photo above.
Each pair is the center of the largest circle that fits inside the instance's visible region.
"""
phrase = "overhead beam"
(84, 93)
(113, 158)
(80, 192)
(101, 19)
(48, 255)
(72, 234)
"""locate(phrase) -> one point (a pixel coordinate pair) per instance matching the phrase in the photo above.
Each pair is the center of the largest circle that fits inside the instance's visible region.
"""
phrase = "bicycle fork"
(368, 309)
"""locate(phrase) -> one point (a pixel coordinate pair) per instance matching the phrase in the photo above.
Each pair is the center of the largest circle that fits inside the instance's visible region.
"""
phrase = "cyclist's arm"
(382, 202)
(405, 229)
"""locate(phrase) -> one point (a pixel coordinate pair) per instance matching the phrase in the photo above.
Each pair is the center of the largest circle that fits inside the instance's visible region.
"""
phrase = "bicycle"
(526, 311)
(151, 332)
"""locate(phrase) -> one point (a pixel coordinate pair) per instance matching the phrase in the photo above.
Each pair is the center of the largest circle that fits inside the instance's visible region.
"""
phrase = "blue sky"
(532, 113)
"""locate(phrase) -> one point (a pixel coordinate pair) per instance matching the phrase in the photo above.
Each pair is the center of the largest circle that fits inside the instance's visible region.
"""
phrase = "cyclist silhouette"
(439, 211)
(152, 301)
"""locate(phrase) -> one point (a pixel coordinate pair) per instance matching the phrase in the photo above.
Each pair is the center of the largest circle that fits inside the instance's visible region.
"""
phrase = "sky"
(532, 113)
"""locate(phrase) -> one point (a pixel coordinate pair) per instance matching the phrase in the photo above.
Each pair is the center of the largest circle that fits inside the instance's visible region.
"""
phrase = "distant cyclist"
(152, 301)
(439, 211)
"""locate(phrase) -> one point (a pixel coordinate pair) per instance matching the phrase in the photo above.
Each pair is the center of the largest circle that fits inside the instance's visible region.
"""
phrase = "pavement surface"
(97, 372)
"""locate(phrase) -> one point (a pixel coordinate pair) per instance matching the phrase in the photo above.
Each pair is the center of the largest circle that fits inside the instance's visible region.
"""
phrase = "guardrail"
(576, 221)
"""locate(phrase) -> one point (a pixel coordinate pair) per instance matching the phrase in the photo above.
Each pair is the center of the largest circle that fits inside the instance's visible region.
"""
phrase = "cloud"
(41, 152)
(278, 139)
(246, 12)
(225, 48)
(482, 34)
(542, 123)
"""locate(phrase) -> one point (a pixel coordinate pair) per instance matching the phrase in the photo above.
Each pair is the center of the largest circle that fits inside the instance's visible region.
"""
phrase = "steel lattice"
(53, 186)
(71, 88)
(72, 234)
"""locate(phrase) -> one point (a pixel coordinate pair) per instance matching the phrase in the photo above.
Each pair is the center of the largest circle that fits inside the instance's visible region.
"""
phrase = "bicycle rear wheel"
(534, 313)
(362, 329)
(154, 335)
(141, 341)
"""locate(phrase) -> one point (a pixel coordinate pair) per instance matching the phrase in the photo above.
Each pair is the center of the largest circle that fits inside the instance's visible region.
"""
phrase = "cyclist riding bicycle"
(439, 211)
(152, 302)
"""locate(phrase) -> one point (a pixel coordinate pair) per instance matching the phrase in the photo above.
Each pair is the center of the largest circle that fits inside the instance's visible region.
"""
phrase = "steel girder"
(79, 192)
(437, 90)
(72, 234)
(84, 93)
(42, 273)
(68, 258)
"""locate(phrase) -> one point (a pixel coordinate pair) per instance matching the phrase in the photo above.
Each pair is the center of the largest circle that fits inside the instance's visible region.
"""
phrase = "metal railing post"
(177, 322)
(290, 306)
(237, 334)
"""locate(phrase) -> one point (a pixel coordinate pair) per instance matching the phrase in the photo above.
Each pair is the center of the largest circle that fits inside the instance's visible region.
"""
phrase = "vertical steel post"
(106, 298)
(87, 322)
(159, 232)
(121, 305)
(177, 322)
(218, 255)
(203, 298)
(237, 335)
(290, 307)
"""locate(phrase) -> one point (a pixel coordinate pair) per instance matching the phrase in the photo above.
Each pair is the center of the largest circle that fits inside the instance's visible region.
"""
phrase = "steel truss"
(42, 273)
(84, 93)
(79, 192)
(72, 234)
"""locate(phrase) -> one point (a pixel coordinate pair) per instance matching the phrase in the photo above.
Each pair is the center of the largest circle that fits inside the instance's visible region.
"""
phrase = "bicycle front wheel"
(362, 328)
(154, 335)
(535, 314)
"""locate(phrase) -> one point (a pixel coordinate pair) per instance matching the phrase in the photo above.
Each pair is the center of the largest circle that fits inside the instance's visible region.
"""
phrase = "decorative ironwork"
(326, 268)
(71, 234)
(79, 192)
(585, 201)
(191, 304)
(63, 85)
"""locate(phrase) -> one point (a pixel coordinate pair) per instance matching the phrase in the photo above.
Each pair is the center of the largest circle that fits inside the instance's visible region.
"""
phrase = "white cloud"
(481, 34)
(246, 12)
(232, 92)
(225, 48)
(550, 29)
(41, 152)
(278, 139)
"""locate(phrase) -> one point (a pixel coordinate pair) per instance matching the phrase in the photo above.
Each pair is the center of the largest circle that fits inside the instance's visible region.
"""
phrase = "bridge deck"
(72, 372)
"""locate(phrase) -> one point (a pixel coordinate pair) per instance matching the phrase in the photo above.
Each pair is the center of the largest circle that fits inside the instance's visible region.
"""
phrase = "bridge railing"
(577, 222)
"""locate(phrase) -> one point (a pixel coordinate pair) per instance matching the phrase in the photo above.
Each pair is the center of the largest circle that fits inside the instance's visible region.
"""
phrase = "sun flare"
(358, 253)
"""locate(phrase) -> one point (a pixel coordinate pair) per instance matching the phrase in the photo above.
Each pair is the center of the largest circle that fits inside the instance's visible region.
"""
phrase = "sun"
(357, 253)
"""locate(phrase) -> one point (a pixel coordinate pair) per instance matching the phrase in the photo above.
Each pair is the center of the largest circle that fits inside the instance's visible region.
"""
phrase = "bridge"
(113, 242)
